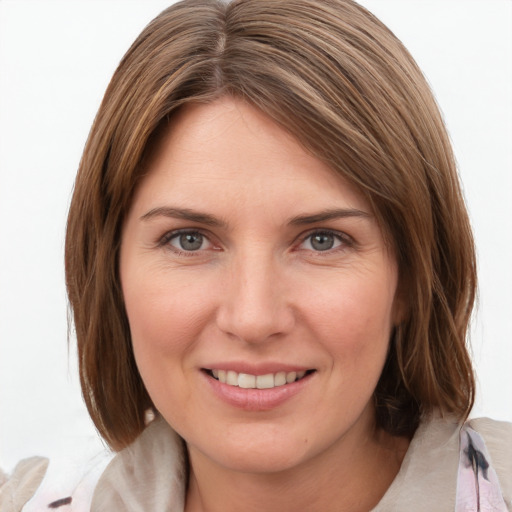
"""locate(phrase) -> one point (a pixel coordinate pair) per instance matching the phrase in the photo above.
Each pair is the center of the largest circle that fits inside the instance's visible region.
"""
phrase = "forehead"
(228, 148)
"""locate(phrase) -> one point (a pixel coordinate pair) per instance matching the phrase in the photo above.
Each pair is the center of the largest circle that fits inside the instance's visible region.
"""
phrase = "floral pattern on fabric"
(478, 488)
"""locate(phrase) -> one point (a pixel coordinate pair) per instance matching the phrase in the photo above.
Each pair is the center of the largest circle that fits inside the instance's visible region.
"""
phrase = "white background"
(56, 58)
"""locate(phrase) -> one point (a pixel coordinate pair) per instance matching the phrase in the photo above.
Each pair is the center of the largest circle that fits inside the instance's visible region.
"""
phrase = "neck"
(351, 476)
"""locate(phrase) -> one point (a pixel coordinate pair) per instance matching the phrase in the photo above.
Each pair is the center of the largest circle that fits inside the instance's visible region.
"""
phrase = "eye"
(321, 241)
(188, 241)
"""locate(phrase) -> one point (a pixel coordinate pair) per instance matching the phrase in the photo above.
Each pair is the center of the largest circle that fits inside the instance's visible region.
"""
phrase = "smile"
(248, 381)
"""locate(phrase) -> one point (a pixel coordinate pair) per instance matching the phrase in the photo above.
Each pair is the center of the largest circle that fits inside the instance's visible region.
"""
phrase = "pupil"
(322, 242)
(191, 241)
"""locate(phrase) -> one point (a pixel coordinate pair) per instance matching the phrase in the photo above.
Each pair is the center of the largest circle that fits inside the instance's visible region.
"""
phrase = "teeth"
(290, 377)
(232, 378)
(247, 381)
(280, 379)
(265, 381)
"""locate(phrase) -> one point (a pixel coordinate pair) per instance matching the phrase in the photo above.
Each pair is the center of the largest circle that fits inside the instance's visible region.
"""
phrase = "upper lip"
(256, 369)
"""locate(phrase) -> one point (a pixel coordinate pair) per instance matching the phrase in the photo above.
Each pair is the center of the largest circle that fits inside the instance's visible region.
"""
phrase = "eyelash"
(165, 241)
(345, 241)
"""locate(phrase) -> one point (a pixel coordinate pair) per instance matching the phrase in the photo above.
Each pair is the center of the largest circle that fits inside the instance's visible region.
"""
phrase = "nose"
(254, 304)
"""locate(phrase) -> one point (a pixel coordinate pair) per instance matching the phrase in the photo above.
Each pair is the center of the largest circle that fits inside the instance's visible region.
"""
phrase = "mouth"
(248, 381)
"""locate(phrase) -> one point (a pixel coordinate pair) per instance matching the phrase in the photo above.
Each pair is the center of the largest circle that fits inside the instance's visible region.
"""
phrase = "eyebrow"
(337, 213)
(210, 220)
(185, 214)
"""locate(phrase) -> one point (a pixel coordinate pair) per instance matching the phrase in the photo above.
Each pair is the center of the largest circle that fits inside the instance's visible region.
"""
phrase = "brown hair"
(337, 79)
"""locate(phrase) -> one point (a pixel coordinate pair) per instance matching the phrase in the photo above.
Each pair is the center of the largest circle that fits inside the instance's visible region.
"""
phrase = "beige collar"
(149, 475)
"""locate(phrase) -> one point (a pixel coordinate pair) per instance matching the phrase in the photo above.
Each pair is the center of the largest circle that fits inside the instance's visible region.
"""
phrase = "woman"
(268, 251)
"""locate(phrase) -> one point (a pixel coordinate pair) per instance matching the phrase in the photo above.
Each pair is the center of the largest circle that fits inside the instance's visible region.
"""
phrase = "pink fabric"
(478, 488)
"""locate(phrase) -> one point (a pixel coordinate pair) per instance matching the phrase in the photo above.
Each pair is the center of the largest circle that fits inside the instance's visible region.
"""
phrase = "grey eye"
(188, 241)
(322, 241)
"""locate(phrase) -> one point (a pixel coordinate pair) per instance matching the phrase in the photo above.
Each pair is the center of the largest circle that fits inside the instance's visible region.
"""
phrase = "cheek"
(354, 328)
(165, 317)
(165, 326)
(354, 319)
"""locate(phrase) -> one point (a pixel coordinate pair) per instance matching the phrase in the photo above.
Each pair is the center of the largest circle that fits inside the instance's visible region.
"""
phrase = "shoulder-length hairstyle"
(339, 81)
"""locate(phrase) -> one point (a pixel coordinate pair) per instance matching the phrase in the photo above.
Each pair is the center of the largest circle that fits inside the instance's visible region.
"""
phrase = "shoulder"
(497, 436)
(430, 475)
(17, 489)
(43, 484)
(148, 475)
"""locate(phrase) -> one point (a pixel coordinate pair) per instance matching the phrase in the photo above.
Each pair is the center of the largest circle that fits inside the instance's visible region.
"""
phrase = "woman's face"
(259, 291)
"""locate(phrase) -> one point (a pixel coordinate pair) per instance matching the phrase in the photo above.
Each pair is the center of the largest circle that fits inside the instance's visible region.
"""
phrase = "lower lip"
(256, 399)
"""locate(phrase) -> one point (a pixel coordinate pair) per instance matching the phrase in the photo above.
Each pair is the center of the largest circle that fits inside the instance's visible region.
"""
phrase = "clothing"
(444, 463)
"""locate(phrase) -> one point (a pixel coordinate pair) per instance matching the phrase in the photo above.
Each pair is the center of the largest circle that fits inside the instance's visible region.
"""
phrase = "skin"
(258, 292)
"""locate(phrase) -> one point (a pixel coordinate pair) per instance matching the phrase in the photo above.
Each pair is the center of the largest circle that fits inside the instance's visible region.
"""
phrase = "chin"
(260, 461)
(256, 452)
